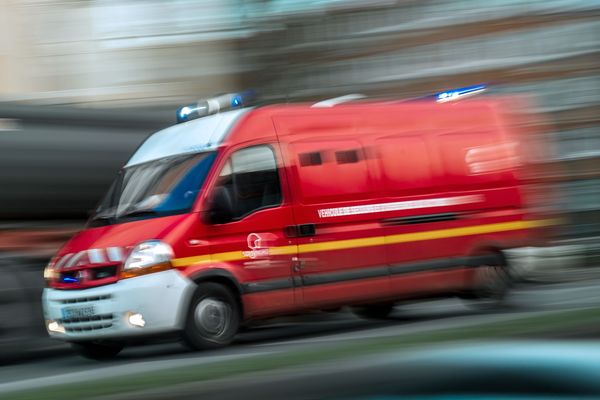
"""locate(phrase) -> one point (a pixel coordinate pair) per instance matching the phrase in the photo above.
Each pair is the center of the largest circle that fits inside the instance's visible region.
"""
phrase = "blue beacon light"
(455, 94)
(237, 101)
(184, 112)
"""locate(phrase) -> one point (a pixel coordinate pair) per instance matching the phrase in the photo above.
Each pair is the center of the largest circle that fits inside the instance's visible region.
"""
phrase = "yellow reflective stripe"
(372, 241)
(341, 244)
(283, 250)
(466, 231)
(228, 256)
(184, 262)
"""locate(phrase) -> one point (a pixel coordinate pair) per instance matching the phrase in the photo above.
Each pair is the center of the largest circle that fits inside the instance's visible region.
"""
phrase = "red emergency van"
(257, 212)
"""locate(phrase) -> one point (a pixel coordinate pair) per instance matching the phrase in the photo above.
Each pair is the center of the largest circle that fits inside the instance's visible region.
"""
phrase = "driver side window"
(251, 180)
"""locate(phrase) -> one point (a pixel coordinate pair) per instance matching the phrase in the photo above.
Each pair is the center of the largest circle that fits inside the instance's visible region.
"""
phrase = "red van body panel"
(381, 201)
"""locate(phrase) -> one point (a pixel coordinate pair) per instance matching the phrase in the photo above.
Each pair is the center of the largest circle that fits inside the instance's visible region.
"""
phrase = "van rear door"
(417, 210)
(446, 188)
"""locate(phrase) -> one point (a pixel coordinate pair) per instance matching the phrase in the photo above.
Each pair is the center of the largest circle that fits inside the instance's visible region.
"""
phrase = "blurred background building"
(152, 53)
(110, 52)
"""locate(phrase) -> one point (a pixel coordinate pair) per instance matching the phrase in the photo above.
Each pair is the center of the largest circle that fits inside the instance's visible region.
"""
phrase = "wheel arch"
(222, 277)
(494, 250)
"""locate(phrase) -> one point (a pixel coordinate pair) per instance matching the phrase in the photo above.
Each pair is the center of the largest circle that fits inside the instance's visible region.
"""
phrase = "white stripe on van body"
(399, 205)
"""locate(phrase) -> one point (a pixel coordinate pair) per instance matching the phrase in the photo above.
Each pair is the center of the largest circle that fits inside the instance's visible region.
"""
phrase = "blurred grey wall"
(57, 162)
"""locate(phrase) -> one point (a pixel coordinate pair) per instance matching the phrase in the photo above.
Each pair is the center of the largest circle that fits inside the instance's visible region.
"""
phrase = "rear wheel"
(491, 284)
(213, 318)
(374, 311)
(98, 350)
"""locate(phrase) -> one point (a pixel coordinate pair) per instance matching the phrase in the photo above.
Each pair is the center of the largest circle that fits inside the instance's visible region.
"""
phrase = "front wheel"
(213, 318)
(98, 350)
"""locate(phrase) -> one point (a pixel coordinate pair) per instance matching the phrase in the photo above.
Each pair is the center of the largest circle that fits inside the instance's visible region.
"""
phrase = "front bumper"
(102, 312)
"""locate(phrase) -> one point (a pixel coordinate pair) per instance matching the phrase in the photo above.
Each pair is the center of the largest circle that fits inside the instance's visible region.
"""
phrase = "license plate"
(78, 312)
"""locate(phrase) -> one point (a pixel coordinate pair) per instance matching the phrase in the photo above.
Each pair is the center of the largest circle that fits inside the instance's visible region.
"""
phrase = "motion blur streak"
(82, 83)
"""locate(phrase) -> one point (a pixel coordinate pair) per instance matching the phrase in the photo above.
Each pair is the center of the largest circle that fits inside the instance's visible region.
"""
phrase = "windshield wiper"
(138, 213)
(101, 220)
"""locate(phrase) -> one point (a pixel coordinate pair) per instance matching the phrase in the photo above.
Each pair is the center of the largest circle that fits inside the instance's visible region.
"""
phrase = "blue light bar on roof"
(455, 94)
(214, 105)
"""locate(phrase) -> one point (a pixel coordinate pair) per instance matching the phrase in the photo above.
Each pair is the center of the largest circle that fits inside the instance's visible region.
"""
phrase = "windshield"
(156, 188)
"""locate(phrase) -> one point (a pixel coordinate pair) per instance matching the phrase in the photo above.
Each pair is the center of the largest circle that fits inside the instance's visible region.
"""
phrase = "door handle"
(302, 230)
(298, 264)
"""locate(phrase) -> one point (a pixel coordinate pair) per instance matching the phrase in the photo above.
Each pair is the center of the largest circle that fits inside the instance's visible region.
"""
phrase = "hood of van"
(123, 235)
(106, 248)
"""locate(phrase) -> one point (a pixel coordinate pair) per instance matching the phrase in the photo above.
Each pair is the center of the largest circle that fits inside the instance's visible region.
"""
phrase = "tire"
(213, 318)
(374, 311)
(99, 351)
(490, 287)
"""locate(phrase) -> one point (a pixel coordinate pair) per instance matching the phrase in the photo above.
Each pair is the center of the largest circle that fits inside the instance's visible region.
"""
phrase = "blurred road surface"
(59, 364)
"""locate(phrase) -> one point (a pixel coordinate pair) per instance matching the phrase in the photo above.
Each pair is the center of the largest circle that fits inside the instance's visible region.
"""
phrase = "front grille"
(86, 299)
(87, 324)
(87, 319)
(87, 328)
(87, 276)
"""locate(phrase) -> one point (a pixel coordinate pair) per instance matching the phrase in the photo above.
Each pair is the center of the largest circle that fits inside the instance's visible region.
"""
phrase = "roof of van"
(369, 107)
(207, 133)
(197, 135)
(359, 117)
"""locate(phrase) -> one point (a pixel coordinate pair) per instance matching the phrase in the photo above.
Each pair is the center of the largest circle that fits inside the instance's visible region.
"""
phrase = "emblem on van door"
(256, 244)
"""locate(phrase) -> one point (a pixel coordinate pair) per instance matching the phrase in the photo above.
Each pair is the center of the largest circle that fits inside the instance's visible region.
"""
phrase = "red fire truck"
(255, 212)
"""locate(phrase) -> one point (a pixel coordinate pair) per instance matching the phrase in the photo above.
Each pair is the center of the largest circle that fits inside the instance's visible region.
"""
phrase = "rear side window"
(307, 159)
(331, 171)
(252, 180)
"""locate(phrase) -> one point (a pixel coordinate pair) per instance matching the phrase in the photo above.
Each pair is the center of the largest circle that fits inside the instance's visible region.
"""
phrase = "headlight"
(148, 257)
(50, 273)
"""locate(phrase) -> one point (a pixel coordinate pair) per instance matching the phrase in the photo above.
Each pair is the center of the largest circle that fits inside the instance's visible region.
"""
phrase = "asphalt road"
(58, 363)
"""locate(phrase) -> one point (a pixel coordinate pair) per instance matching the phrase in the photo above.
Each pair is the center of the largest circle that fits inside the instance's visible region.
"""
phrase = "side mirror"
(220, 207)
